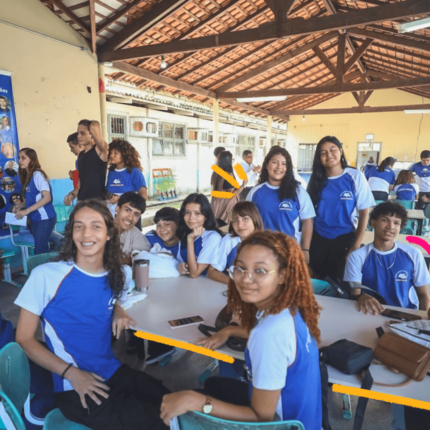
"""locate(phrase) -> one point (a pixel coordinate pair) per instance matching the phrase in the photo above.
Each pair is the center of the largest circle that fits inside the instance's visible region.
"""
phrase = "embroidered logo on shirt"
(346, 195)
(111, 303)
(286, 206)
(402, 276)
(116, 181)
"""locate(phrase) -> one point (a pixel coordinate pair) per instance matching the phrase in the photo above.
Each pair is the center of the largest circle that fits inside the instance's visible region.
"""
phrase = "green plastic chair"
(63, 212)
(323, 288)
(407, 204)
(14, 383)
(200, 421)
(37, 260)
(55, 420)
(379, 201)
(411, 227)
(6, 255)
(27, 248)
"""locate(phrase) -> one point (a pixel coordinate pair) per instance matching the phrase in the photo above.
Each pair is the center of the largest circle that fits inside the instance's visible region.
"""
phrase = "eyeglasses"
(236, 273)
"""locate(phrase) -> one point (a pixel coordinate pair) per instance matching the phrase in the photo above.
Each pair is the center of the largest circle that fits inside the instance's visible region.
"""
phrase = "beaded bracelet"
(66, 369)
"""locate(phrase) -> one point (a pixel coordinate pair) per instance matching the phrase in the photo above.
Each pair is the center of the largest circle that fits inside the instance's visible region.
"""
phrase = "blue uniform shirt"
(422, 177)
(282, 216)
(341, 199)
(406, 191)
(226, 252)
(392, 274)
(120, 181)
(33, 194)
(381, 181)
(153, 238)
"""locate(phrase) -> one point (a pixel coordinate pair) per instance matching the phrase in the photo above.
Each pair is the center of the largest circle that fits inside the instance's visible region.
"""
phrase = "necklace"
(392, 264)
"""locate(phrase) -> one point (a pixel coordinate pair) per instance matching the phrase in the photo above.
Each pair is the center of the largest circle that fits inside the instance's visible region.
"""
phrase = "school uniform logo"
(402, 276)
(111, 303)
(117, 182)
(346, 195)
(286, 206)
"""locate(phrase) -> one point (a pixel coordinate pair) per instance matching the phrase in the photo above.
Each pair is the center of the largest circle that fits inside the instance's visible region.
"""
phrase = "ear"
(372, 223)
(116, 209)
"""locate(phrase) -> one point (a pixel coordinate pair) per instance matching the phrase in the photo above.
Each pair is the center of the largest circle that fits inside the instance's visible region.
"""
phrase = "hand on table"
(22, 213)
(121, 321)
(215, 341)
(85, 383)
(368, 304)
(198, 231)
(176, 404)
(183, 269)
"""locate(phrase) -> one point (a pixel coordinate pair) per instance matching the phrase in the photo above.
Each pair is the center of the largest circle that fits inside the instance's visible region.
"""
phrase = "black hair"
(318, 178)
(246, 152)
(167, 214)
(289, 185)
(135, 200)
(73, 139)
(389, 161)
(85, 122)
(425, 154)
(14, 195)
(205, 209)
(218, 151)
(391, 209)
(225, 162)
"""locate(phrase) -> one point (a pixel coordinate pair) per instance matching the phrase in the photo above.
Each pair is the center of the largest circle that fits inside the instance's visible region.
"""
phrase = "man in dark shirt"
(92, 163)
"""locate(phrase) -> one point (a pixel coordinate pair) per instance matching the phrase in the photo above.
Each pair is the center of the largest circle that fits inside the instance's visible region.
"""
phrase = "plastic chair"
(25, 246)
(63, 212)
(6, 255)
(379, 201)
(407, 204)
(323, 288)
(200, 421)
(37, 260)
(411, 227)
(14, 382)
(55, 420)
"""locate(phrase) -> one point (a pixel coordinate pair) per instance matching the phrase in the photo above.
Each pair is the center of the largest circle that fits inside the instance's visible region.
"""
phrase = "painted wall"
(50, 81)
(397, 131)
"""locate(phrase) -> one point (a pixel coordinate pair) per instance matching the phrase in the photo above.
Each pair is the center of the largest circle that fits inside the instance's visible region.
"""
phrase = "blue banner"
(9, 178)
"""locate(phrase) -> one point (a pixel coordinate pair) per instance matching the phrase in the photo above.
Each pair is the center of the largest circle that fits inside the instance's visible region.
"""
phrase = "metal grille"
(171, 141)
(117, 127)
(244, 142)
(306, 156)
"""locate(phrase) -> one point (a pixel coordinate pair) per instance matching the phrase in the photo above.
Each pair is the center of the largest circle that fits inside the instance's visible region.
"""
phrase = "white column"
(215, 108)
(103, 109)
(269, 133)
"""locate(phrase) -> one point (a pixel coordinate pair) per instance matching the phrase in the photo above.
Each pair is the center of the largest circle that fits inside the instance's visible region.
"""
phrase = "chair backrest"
(411, 227)
(323, 288)
(37, 260)
(407, 204)
(63, 212)
(427, 211)
(199, 421)
(379, 201)
(14, 381)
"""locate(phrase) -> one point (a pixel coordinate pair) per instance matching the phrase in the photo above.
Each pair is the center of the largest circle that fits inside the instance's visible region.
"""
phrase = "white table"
(184, 297)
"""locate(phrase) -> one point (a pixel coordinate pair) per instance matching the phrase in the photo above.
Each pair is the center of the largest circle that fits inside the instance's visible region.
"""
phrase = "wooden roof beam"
(324, 59)
(117, 15)
(78, 21)
(357, 54)
(92, 8)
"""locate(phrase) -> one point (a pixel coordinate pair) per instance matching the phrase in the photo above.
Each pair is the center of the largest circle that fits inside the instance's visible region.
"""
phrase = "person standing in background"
(422, 174)
(92, 163)
(370, 163)
(382, 179)
(217, 152)
(75, 149)
(251, 171)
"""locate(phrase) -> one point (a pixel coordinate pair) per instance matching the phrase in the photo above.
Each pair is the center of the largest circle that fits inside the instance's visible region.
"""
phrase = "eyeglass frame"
(250, 275)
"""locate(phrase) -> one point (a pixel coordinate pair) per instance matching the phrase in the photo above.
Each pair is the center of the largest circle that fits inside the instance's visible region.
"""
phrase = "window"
(244, 142)
(151, 127)
(137, 126)
(306, 156)
(117, 127)
(192, 134)
(170, 140)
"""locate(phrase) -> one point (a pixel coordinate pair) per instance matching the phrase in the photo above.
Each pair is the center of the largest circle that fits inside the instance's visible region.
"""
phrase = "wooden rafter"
(293, 27)
(340, 61)
(78, 21)
(92, 8)
(357, 54)
(320, 54)
(117, 15)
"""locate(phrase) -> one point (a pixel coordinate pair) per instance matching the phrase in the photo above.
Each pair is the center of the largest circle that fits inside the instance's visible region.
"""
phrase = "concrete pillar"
(215, 108)
(103, 110)
(269, 133)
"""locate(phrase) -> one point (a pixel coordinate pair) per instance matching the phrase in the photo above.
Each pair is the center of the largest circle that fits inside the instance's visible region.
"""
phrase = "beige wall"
(49, 80)
(396, 131)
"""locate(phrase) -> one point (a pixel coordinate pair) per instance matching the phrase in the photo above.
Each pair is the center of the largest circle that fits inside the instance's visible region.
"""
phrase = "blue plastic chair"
(407, 204)
(26, 247)
(200, 421)
(63, 213)
(323, 288)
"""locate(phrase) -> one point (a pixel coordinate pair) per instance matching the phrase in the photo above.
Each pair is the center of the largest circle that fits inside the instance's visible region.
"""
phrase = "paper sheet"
(11, 219)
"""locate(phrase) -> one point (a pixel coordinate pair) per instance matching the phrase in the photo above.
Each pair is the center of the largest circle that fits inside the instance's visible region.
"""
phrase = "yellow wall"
(49, 80)
(396, 131)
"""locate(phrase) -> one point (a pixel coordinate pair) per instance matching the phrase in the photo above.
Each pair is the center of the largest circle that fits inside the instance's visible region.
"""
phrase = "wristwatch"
(207, 407)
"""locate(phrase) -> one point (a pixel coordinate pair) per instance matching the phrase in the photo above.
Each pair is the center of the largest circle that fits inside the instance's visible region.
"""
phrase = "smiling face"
(386, 227)
(116, 158)
(84, 136)
(193, 216)
(248, 158)
(126, 217)
(330, 155)
(277, 169)
(254, 258)
(24, 161)
(425, 161)
(89, 234)
(243, 226)
(166, 231)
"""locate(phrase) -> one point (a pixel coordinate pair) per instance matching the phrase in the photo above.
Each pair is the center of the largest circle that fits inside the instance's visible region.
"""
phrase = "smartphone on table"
(398, 315)
(185, 322)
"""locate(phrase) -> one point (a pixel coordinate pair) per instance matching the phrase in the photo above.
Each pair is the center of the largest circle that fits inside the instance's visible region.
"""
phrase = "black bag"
(349, 358)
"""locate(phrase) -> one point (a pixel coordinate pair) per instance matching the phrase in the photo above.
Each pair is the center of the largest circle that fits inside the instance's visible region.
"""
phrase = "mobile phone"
(185, 322)
(398, 315)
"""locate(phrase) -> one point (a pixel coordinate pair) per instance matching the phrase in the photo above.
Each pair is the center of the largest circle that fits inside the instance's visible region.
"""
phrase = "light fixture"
(370, 136)
(417, 111)
(303, 118)
(262, 99)
(108, 64)
(413, 25)
(163, 64)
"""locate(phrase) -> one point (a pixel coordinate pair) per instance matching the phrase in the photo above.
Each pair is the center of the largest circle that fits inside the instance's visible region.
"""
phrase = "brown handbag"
(402, 355)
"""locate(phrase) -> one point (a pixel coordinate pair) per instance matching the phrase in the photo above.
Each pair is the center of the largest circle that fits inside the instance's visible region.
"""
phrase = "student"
(395, 271)
(38, 199)
(92, 163)
(130, 208)
(75, 149)
(271, 289)
(198, 234)
(283, 203)
(406, 188)
(250, 169)
(125, 173)
(166, 222)
(76, 299)
(218, 151)
(382, 179)
(422, 172)
(222, 207)
(368, 166)
(245, 219)
(339, 194)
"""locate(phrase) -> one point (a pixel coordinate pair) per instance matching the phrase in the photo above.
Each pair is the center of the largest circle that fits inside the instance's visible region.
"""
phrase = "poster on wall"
(9, 178)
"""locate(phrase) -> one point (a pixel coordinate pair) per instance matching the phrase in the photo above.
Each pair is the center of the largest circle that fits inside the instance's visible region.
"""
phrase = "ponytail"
(388, 162)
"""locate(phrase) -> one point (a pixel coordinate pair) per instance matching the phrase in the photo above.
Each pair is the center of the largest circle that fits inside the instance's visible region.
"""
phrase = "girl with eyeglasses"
(244, 220)
(271, 289)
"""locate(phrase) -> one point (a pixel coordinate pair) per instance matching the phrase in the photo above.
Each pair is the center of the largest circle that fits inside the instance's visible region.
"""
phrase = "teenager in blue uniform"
(76, 300)
(422, 178)
(382, 179)
(406, 188)
(269, 277)
(125, 173)
(396, 271)
(198, 234)
(340, 194)
(245, 219)
(38, 199)
(283, 203)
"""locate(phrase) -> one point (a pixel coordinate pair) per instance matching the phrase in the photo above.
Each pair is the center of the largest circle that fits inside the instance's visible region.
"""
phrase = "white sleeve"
(128, 284)
(251, 193)
(417, 187)
(306, 207)
(210, 245)
(396, 188)
(353, 267)
(220, 262)
(365, 198)
(272, 349)
(421, 273)
(41, 183)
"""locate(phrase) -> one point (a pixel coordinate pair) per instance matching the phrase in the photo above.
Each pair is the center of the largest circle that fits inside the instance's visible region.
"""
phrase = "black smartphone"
(185, 322)
(398, 315)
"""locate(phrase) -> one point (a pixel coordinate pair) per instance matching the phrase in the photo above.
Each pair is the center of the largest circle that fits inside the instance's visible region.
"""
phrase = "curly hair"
(295, 293)
(113, 254)
(128, 153)
(289, 184)
(390, 209)
(405, 177)
(25, 175)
